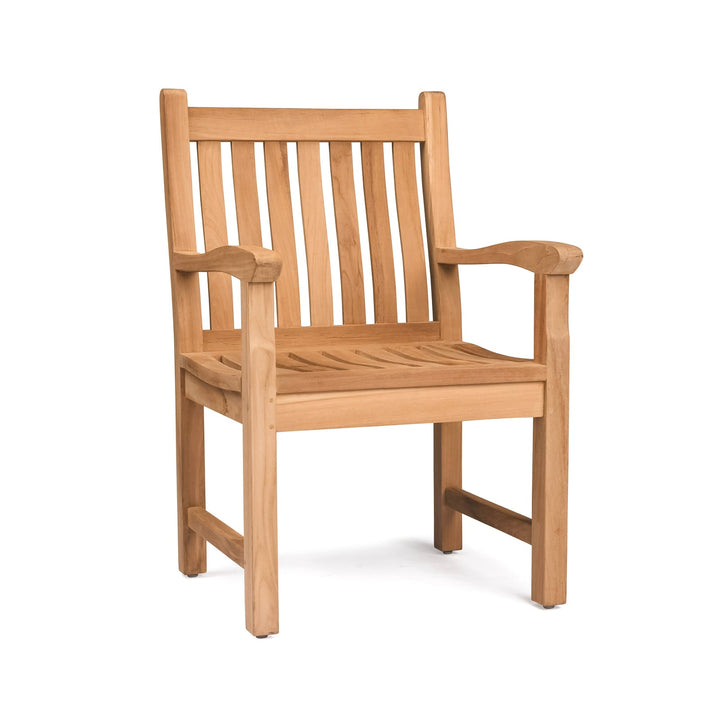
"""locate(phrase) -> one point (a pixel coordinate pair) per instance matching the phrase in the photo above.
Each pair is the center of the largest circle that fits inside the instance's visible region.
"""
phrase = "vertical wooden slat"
(187, 323)
(283, 233)
(315, 231)
(439, 214)
(247, 207)
(411, 239)
(214, 220)
(259, 459)
(550, 443)
(378, 221)
(348, 233)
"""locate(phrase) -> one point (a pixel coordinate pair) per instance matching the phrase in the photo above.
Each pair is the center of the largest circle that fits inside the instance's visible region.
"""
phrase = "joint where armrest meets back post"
(538, 256)
(245, 262)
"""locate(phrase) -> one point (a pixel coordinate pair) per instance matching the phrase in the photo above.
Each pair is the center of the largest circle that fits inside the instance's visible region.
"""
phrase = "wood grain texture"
(283, 233)
(489, 513)
(225, 402)
(335, 334)
(187, 323)
(259, 459)
(378, 222)
(246, 262)
(356, 374)
(190, 448)
(216, 532)
(209, 368)
(538, 256)
(447, 465)
(187, 320)
(214, 221)
(550, 444)
(277, 124)
(390, 365)
(348, 234)
(411, 237)
(439, 218)
(368, 408)
(247, 206)
(315, 232)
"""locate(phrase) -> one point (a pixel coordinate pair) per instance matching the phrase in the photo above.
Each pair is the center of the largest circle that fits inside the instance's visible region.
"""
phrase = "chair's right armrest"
(250, 263)
(539, 256)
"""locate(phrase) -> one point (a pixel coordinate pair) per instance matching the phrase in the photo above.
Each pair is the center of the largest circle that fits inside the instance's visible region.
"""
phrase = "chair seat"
(370, 366)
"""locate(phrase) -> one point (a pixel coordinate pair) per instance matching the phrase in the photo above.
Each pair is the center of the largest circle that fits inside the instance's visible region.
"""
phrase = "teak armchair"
(360, 372)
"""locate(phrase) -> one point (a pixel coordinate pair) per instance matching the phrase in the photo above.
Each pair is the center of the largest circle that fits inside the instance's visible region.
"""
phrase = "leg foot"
(447, 552)
(549, 607)
(260, 637)
(189, 575)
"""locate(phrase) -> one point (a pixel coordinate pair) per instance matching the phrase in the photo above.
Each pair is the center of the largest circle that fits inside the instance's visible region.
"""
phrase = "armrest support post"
(550, 443)
(259, 457)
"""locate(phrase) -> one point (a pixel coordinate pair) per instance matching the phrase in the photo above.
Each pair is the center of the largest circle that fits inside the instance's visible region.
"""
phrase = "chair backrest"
(308, 131)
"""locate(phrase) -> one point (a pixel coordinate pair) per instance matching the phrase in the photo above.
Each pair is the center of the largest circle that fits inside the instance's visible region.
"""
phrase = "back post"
(440, 223)
(187, 323)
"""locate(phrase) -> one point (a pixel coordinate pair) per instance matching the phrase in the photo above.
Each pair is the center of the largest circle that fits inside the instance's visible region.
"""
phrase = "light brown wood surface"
(228, 403)
(358, 373)
(411, 237)
(311, 336)
(378, 221)
(215, 531)
(439, 217)
(489, 513)
(212, 203)
(315, 231)
(247, 262)
(538, 256)
(550, 444)
(369, 366)
(348, 233)
(371, 408)
(447, 466)
(247, 204)
(278, 124)
(283, 232)
(189, 418)
(259, 459)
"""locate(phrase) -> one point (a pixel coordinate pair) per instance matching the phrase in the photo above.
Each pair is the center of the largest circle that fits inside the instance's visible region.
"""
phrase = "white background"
(596, 124)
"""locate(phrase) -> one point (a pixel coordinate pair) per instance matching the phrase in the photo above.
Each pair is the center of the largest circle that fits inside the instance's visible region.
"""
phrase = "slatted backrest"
(336, 135)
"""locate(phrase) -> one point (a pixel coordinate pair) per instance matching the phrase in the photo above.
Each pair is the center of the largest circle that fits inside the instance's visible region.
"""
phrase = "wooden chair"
(361, 372)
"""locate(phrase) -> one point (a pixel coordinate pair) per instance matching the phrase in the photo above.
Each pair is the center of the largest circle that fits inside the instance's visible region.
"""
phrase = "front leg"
(259, 459)
(550, 444)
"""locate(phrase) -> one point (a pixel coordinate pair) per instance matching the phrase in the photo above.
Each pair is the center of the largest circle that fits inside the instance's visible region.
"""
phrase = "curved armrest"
(251, 263)
(538, 256)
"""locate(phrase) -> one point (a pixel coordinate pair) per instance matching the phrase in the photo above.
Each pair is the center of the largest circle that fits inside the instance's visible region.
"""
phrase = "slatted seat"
(368, 366)
(349, 317)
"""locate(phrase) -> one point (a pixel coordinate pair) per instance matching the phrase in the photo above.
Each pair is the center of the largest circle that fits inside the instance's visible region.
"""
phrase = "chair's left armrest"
(250, 263)
(539, 256)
